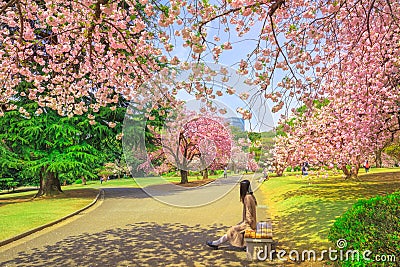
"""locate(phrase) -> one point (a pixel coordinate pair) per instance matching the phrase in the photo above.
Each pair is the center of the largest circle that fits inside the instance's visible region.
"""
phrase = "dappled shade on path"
(139, 244)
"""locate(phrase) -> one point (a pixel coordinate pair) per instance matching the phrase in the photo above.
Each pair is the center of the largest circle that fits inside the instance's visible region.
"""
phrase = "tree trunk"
(184, 177)
(49, 184)
(346, 172)
(279, 173)
(205, 173)
(353, 172)
(378, 158)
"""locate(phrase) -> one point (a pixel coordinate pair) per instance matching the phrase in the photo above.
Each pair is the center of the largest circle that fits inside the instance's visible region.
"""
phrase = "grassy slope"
(304, 209)
(20, 213)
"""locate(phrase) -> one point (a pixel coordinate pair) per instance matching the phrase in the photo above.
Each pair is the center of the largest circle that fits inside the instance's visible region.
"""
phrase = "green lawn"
(144, 181)
(20, 213)
(303, 209)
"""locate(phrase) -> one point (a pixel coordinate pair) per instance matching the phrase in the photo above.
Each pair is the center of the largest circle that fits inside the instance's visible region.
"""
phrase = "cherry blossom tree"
(242, 158)
(343, 51)
(282, 153)
(68, 50)
(292, 47)
(77, 56)
(252, 165)
(191, 141)
(344, 132)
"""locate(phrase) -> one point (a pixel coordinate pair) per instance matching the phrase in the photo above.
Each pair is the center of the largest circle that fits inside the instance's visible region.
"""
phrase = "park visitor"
(265, 173)
(235, 234)
(304, 170)
(265, 176)
(366, 166)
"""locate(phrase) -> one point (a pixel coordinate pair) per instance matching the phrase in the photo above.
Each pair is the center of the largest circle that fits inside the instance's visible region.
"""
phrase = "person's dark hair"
(245, 189)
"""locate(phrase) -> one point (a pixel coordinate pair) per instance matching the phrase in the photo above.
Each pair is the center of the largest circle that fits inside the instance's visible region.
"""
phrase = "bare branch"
(368, 19)
(275, 7)
(21, 22)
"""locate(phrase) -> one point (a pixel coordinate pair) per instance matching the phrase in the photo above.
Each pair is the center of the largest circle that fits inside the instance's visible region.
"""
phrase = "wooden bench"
(261, 239)
(253, 245)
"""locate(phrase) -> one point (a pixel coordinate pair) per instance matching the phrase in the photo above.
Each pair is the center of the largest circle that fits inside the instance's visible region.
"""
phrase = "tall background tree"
(46, 145)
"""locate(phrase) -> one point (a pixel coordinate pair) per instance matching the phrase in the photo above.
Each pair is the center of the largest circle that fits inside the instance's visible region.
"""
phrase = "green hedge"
(374, 225)
(8, 184)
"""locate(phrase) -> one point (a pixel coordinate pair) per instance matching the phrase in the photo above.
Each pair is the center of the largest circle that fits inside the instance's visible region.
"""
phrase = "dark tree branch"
(368, 19)
(9, 4)
(21, 22)
(275, 7)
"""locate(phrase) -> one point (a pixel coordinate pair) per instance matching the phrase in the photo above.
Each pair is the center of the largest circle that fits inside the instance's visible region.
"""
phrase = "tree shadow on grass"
(139, 244)
(299, 226)
(85, 193)
(369, 186)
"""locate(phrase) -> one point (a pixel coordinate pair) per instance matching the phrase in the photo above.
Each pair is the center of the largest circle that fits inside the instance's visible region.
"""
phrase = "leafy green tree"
(42, 144)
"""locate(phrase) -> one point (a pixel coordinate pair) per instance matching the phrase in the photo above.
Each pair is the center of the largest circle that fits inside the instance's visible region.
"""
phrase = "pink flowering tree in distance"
(337, 134)
(190, 141)
(282, 153)
(241, 158)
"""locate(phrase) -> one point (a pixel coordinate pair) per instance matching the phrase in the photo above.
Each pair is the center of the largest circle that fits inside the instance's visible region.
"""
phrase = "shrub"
(219, 172)
(8, 184)
(372, 224)
(170, 174)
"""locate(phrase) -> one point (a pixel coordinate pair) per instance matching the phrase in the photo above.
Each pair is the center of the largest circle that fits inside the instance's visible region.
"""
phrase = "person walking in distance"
(366, 166)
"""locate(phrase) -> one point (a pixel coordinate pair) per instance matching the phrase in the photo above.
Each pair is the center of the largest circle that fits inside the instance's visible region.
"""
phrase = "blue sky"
(263, 118)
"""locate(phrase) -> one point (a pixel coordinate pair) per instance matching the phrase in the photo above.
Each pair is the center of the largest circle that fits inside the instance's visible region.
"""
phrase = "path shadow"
(167, 189)
(139, 244)
(124, 193)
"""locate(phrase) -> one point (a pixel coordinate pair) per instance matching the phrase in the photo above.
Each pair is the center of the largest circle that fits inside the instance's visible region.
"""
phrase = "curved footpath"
(129, 228)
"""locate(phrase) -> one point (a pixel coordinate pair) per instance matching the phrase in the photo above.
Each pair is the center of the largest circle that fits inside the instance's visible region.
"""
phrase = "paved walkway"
(129, 228)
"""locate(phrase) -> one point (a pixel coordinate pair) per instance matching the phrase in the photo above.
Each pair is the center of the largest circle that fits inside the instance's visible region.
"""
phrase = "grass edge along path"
(21, 217)
(20, 213)
(304, 209)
